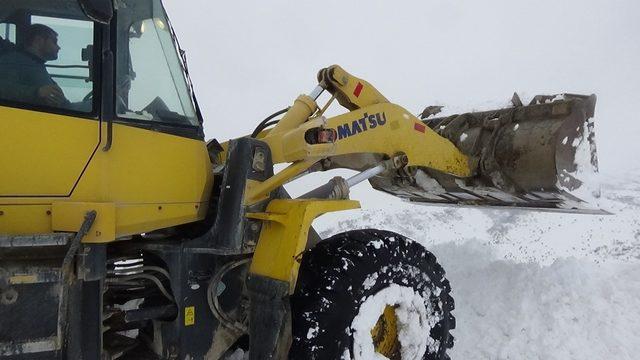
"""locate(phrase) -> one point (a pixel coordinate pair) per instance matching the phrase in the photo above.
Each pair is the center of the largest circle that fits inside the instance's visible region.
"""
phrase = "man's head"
(42, 41)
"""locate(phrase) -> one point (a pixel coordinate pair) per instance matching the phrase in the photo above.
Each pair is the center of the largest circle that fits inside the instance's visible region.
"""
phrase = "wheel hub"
(385, 334)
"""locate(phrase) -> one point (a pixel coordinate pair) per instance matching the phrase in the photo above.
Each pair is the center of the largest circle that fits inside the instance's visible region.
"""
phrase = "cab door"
(47, 136)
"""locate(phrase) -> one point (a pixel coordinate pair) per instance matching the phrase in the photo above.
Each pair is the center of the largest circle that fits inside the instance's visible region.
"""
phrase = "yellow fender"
(284, 235)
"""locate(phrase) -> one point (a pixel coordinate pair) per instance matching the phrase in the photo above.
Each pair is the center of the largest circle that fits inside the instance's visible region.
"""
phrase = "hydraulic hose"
(264, 123)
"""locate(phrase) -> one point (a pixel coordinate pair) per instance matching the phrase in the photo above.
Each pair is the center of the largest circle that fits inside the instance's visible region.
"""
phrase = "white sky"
(251, 58)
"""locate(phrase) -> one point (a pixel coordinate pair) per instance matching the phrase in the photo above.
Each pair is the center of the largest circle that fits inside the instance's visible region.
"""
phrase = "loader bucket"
(533, 156)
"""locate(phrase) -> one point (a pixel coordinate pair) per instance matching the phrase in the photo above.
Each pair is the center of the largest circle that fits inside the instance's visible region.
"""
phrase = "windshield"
(150, 82)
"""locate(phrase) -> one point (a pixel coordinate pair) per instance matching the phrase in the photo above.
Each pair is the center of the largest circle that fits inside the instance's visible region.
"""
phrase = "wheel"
(371, 294)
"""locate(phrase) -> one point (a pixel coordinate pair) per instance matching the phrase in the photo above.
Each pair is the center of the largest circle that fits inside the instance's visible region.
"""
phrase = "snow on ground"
(570, 309)
(239, 354)
(519, 235)
(532, 285)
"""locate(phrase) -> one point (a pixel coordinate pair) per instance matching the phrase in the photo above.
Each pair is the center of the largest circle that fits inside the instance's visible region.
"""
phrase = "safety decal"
(189, 315)
(419, 127)
(358, 89)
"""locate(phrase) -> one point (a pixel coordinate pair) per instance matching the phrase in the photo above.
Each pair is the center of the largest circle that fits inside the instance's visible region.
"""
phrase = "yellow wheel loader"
(125, 235)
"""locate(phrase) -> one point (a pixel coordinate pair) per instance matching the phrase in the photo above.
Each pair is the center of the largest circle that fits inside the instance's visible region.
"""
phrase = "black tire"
(331, 288)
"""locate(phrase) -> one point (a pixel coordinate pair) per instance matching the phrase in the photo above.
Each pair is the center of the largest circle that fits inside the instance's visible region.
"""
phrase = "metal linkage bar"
(338, 187)
(366, 175)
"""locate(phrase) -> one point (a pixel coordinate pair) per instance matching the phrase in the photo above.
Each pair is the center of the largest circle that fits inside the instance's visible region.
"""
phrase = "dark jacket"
(21, 75)
(6, 46)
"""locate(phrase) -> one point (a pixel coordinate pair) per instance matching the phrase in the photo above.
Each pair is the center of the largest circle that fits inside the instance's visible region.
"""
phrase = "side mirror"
(97, 10)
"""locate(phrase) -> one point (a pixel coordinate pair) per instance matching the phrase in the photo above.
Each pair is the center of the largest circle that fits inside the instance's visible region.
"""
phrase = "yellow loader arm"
(522, 156)
(374, 126)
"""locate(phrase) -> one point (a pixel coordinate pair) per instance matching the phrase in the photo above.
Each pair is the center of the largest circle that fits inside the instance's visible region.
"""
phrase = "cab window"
(8, 32)
(46, 56)
(150, 84)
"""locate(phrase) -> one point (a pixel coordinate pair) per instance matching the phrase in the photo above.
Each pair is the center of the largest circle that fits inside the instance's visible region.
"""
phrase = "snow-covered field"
(532, 285)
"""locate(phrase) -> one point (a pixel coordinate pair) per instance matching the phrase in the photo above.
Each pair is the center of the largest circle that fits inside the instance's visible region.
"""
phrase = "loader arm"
(351, 92)
(373, 126)
(523, 156)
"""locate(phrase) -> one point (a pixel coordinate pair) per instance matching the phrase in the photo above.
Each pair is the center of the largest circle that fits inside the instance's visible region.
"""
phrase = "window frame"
(23, 19)
(195, 132)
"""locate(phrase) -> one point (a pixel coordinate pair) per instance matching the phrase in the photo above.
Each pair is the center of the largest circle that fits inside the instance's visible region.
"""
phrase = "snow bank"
(571, 309)
(520, 235)
(532, 285)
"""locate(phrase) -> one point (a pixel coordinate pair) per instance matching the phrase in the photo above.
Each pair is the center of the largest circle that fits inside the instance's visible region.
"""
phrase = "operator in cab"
(5, 45)
(23, 74)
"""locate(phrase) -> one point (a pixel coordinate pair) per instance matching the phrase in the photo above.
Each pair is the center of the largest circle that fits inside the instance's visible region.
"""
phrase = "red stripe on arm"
(358, 89)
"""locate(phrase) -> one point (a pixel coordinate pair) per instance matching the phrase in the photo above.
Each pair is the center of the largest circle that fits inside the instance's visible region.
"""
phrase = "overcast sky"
(251, 58)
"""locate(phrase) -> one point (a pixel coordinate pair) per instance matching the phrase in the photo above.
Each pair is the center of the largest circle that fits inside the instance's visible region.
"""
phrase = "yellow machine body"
(54, 171)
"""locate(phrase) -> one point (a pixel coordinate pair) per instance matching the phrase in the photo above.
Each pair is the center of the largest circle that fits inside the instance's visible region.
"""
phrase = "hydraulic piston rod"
(366, 175)
(338, 187)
